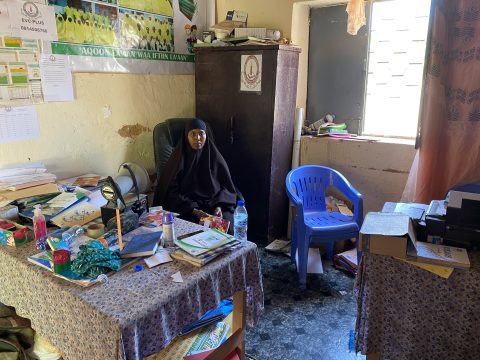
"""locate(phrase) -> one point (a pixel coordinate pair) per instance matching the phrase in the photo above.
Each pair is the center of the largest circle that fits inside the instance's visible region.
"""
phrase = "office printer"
(463, 217)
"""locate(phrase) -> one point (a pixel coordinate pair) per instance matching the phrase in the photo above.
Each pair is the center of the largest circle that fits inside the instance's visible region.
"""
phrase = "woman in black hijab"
(196, 180)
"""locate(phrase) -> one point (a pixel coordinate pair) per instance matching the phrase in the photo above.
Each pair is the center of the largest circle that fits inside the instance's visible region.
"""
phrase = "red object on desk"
(215, 222)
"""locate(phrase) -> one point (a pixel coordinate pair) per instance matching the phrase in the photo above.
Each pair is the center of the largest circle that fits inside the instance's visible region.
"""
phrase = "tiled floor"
(312, 324)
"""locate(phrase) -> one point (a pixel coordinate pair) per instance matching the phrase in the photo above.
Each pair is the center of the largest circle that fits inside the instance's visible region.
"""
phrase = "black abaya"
(196, 179)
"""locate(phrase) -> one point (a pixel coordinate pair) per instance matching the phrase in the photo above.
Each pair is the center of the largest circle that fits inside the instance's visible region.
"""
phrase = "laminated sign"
(251, 73)
(32, 20)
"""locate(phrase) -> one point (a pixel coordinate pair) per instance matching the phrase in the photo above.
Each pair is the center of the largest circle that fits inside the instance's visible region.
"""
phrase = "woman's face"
(197, 138)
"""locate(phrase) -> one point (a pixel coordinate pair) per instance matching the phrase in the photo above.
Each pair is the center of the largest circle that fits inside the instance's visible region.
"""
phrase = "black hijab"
(195, 178)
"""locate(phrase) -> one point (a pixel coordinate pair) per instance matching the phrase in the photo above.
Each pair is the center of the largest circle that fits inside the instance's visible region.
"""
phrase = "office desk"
(404, 312)
(137, 313)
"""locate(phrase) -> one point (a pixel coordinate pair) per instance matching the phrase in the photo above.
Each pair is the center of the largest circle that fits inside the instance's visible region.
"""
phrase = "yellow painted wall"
(378, 170)
(272, 14)
(76, 138)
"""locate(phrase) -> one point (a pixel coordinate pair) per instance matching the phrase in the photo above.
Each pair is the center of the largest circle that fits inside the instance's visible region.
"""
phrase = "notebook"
(142, 245)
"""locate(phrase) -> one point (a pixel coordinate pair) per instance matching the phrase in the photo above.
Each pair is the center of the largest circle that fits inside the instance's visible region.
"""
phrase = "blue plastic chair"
(306, 186)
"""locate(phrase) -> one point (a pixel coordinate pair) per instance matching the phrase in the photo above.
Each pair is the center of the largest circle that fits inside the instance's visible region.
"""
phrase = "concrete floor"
(312, 324)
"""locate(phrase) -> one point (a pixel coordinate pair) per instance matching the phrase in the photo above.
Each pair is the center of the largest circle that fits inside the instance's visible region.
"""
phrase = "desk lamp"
(130, 177)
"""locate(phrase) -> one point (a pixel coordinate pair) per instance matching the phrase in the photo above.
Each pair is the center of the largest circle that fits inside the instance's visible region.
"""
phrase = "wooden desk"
(137, 313)
(404, 312)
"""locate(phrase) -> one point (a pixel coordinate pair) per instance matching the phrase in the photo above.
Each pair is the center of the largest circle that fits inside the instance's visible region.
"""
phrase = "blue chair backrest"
(309, 183)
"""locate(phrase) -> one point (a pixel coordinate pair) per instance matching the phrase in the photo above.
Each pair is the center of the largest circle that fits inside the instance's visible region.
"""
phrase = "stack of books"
(334, 130)
(347, 261)
(201, 248)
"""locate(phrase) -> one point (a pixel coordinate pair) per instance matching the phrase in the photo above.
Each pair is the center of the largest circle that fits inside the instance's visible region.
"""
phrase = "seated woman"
(196, 180)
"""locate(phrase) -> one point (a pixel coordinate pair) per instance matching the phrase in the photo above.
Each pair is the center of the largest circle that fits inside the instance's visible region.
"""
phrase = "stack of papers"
(347, 260)
(202, 248)
(24, 180)
(17, 177)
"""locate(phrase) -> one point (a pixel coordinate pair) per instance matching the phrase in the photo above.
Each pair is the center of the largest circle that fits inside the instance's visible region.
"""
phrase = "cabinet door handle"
(232, 129)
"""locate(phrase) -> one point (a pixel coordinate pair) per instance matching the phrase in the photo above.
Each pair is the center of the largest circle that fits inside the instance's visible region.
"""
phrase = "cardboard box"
(393, 234)
(387, 234)
(234, 19)
(13, 234)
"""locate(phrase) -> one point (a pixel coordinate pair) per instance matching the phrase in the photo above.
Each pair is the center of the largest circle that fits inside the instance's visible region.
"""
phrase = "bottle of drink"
(39, 228)
(240, 221)
(168, 229)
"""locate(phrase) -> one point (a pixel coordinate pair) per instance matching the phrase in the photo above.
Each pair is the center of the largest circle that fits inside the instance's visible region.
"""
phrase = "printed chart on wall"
(20, 81)
(23, 28)
(137, 36)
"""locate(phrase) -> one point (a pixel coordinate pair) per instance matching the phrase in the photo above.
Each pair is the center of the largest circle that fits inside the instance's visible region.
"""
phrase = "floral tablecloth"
(136, 313)
(404, 312)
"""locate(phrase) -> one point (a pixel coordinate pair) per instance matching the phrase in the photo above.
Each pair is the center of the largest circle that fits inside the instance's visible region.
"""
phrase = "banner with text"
(136, 36)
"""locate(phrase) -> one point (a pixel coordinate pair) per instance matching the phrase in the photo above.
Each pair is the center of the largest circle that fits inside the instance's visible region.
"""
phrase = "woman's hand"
(199, 213)
(218, 211)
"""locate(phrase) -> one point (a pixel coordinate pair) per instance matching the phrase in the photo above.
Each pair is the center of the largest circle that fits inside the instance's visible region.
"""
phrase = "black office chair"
(166, 136)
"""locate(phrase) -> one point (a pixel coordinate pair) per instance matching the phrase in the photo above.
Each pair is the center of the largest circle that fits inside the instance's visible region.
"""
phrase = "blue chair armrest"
(297, 202)
(342, 184)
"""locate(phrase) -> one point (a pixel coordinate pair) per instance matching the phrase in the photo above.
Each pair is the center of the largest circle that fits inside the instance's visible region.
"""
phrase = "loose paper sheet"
(389, 224)
(160, 257)
(442, 271)
(19, 123)
(56, 75)
(314, 264)
(177, 277)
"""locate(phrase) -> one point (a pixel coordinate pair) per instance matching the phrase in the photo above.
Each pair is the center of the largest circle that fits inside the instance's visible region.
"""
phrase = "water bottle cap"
(240, 203)
(167, 217)
(138, 268)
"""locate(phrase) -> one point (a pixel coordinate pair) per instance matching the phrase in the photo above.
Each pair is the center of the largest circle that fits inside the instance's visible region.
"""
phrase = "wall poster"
(138, 36)
(20, 80)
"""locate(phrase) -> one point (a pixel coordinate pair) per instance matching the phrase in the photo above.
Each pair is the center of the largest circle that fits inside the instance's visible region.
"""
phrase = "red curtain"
(449, 152)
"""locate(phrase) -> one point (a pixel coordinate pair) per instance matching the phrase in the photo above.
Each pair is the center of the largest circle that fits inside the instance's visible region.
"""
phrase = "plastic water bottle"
(240, 221)
(168, 229)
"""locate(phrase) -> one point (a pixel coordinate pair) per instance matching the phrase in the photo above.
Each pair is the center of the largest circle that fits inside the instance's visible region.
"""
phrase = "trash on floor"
(314, 265)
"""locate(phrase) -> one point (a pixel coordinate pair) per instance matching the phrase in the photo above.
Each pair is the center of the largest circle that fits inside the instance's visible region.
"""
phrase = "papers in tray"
(203, 242)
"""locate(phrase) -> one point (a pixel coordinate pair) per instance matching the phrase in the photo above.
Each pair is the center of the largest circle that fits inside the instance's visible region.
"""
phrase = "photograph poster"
(136, 36)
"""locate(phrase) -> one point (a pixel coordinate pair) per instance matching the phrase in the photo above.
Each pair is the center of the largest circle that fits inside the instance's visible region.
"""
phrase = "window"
(395, 67)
